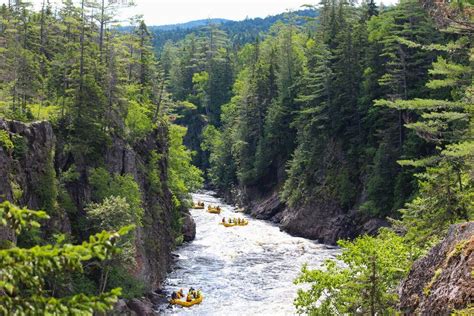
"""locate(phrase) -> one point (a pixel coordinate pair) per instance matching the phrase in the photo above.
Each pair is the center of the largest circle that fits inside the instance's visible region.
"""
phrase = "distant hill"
(189, 25)
(239, 32)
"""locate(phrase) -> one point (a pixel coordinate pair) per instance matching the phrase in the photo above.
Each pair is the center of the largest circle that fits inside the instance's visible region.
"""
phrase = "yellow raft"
(229, 224)
(187, 304)
(213, 210)
(198, 207)
(242, 223)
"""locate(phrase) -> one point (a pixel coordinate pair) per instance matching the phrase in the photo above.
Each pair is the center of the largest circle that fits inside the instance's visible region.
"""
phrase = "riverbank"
(323, 220)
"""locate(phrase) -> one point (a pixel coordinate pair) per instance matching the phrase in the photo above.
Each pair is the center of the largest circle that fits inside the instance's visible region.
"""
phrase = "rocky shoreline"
(322, 220)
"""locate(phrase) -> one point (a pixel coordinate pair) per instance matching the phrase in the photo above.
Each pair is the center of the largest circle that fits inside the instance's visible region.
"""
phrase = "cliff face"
(323, 219)
(25, 169)
(443, 280)
(28, 177)
(154, 240)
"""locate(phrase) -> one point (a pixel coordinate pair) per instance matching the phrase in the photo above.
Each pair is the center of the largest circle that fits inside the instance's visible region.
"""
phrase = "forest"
(346, 115)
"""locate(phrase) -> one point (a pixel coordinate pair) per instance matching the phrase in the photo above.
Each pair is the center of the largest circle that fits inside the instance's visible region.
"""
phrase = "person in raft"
(176, 295)
(223, 220)
(189, 297)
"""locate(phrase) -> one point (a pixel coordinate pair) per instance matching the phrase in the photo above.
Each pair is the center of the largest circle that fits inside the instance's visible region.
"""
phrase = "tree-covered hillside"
(359, 118)
(105, 155)
(239, 32)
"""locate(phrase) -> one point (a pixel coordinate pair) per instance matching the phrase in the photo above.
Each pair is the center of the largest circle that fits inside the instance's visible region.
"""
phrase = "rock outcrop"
(26, 169)
(189, 228)
(443, 280)
(322, 220)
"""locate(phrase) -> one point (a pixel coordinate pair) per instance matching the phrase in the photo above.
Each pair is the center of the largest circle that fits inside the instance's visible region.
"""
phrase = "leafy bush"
(363, 283)
(111, 214)
(138, 120)
(70, 175)
(5, 141)
(131, 286)
(20, 146)
(24, 271)
(17, 192)
(105, 185)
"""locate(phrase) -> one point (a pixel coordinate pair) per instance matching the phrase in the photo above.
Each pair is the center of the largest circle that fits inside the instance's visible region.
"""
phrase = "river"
(245, 270)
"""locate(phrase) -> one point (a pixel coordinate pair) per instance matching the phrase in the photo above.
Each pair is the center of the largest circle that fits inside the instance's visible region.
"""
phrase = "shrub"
(5, 141)
(363, 282)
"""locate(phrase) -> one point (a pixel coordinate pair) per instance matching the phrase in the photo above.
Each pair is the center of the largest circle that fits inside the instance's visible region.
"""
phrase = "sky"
(161, 12)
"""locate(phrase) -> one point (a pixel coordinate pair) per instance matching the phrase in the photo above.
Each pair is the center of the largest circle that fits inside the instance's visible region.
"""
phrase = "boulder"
(443, 280)
(142, 307)
(189, 228)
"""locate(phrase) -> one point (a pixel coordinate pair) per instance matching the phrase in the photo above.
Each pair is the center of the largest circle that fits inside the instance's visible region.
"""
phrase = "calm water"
(245, 270)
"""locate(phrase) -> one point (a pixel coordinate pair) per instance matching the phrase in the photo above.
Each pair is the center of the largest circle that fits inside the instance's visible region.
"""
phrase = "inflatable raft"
(187, 304)
(242, 223)
(213, 210)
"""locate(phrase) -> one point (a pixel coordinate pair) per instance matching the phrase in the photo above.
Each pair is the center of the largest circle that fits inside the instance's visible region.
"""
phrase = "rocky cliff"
(323, 220)
(443, 280)
(30, 174)
(27, 168)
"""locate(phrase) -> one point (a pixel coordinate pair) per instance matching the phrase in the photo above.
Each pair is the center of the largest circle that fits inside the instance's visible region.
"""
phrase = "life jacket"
(189, 298)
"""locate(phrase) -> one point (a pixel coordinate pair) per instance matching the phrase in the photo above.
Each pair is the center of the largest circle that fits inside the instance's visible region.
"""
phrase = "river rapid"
(246, 270)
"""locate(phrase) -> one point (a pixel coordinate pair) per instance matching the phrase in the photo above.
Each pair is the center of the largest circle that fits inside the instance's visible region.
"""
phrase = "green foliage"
(106, 185)
(138, 120)
(183, 177)
(70, 175)
(446, 185)
(24, 270)
(363, 282)
(222, 170)
(131, 287)
(113, 213)
(46, 186)
(17, 192)
(5, 141)
(153, 172)
(20, 146)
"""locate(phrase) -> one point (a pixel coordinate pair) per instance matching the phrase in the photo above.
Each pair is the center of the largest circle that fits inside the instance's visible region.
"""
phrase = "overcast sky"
(159, 12)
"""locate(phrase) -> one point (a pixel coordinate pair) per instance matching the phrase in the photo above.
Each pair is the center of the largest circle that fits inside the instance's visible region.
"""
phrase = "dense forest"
(363, 110)
(238, 32)
(115, 160)
(362, 107)
(344, 114)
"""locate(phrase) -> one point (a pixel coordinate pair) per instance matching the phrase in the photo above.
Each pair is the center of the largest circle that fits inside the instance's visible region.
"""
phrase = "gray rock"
(142, 307)
(442, 281)
(121, 308)
(27, 167)
(189, 228)
(322, 219)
